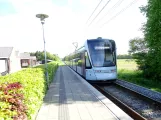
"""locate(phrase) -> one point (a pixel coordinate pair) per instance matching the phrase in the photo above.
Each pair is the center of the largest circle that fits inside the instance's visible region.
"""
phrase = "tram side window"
(79, 61)
(88, 65)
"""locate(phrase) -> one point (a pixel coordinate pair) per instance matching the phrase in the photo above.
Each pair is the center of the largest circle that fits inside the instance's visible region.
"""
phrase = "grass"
(127, 70)
(126, 64)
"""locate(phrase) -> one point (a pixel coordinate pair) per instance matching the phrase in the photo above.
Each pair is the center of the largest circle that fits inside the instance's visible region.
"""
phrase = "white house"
(9, 60)
(27, 60)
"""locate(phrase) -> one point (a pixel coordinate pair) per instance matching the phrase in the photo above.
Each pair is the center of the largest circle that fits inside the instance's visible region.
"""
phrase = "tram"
(95, 60)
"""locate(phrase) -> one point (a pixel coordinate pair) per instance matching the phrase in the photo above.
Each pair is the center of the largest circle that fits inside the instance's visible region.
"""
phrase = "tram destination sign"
(101, 47)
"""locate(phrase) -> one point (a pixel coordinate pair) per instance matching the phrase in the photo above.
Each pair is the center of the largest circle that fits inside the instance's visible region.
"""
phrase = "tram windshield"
(101, 53)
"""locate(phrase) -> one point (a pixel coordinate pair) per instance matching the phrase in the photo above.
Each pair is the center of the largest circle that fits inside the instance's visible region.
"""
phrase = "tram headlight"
(114, 70)
(97, 71)
(105, 71)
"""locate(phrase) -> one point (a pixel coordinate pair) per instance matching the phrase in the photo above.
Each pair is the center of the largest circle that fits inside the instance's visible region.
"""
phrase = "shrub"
(11, 93)
(30, 88)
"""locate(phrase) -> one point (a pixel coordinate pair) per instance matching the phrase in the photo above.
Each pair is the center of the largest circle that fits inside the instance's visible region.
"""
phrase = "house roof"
(33, 57)
(5, 52)
(25, 55)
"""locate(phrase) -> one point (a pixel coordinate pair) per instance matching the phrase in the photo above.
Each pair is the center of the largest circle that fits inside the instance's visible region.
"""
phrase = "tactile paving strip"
(63, 108)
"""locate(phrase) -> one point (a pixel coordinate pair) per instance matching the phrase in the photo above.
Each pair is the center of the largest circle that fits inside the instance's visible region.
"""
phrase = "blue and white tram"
(95, 61)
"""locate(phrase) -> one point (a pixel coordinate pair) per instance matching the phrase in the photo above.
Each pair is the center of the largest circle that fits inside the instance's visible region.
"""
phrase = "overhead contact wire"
(113, 8)
(120, 12)
(99, 12)
(93, 11)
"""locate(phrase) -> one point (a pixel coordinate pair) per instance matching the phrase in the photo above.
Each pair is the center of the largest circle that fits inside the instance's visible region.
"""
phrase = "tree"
(137, 45)
(40, 56)
(124, 56)
(138, 50)
(152, 32)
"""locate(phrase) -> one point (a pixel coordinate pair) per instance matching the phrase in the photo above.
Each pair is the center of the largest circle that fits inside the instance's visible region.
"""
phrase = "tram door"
(83, 65)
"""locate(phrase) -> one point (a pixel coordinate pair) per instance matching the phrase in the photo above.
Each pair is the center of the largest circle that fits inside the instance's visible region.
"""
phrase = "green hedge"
(33, 88)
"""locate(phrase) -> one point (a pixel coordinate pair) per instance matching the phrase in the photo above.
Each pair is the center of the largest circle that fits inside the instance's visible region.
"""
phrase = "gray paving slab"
(71, 98)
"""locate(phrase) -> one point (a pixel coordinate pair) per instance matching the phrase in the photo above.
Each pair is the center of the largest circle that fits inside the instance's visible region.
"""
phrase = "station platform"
(70, 97)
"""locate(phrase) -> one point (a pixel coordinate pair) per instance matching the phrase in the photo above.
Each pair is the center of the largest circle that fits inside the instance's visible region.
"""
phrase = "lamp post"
(42, 19)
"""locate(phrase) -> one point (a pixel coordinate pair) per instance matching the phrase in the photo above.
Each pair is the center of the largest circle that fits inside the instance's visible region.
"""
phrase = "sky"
(67, 23)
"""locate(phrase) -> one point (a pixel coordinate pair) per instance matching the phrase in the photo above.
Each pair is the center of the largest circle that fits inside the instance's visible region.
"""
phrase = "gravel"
(145, 108)
(144, 91)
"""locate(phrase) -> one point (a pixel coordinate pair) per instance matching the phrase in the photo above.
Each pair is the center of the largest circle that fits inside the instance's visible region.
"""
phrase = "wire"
(113, 7)
(93, 11)
(99, 12)
(120, 12)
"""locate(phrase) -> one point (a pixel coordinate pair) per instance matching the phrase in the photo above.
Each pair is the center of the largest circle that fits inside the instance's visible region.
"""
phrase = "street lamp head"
(42, 17)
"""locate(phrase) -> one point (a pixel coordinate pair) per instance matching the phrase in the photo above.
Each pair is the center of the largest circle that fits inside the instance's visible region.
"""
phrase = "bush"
(30, 86)
(11, 94)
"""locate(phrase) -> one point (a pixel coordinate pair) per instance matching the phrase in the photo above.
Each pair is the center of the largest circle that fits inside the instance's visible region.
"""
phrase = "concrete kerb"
(115, 110)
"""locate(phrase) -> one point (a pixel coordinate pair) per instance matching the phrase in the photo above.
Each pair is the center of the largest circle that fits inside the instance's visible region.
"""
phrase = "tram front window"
(101, 54)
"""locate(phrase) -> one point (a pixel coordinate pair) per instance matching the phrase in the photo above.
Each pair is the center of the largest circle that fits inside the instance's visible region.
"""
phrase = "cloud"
(64, 26)
(24, 30)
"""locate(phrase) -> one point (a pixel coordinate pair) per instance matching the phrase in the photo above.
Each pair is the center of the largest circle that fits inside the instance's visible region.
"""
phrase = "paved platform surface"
(70, 97)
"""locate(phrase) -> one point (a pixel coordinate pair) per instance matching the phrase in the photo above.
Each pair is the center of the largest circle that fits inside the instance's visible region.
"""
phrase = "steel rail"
(140, 94)
(123, 106)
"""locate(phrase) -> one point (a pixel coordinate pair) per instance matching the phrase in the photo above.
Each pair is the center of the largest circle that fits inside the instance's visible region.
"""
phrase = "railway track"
(138, 106)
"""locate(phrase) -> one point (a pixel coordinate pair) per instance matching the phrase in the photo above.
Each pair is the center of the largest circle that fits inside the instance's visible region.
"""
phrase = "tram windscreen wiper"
(108, 63)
